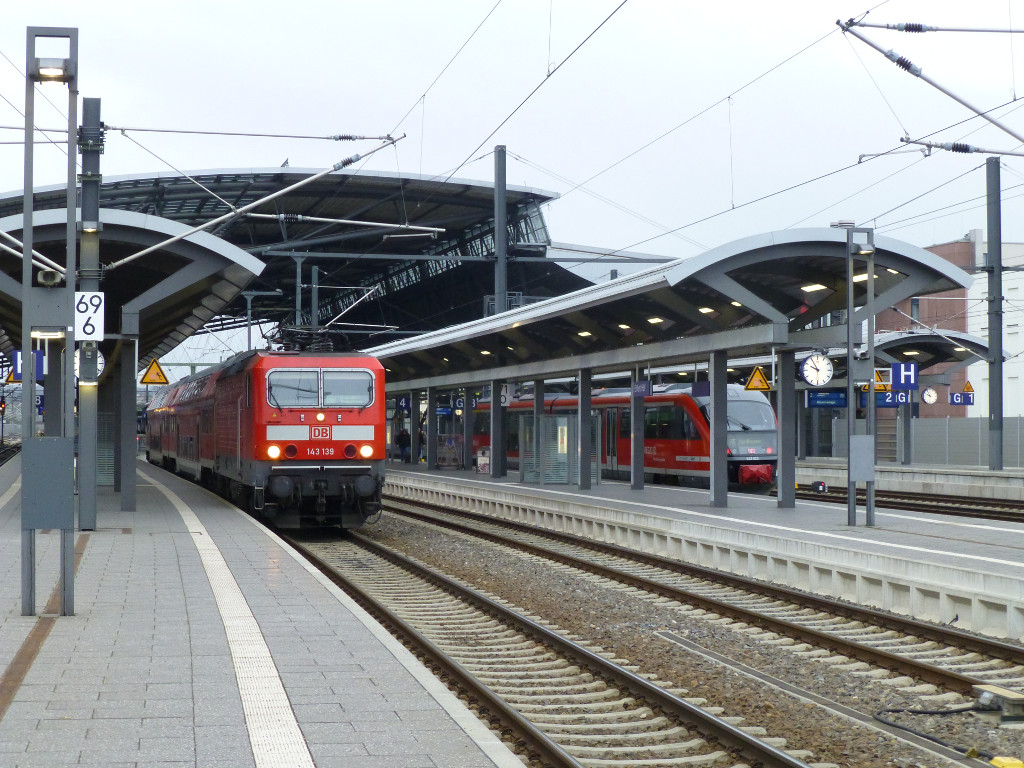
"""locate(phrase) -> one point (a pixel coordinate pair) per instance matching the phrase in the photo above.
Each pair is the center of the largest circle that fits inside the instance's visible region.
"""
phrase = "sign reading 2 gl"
(904, 376)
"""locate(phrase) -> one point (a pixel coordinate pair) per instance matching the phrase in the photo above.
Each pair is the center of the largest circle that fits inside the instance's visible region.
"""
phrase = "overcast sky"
(667, 127)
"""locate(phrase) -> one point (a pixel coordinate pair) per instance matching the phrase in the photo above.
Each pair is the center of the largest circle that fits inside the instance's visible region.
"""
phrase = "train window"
(624, 421)
(690, 431)
(293, 388)
(347, 389)
(650, 423)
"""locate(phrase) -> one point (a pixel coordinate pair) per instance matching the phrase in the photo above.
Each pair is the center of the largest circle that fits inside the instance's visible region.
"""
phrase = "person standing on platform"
(404, 443)
(423, 444)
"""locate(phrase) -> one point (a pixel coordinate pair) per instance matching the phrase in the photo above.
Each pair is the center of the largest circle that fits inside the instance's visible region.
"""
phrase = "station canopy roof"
(173, 292)
(424, 245)
(776, 290)
(930, 347)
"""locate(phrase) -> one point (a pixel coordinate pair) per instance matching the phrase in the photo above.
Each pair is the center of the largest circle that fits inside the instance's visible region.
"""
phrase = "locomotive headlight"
(274, 451)
(319, 417)
(366, 451)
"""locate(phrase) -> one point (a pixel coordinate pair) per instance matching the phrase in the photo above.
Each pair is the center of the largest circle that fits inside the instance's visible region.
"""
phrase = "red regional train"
(677, 435)
(298, 437)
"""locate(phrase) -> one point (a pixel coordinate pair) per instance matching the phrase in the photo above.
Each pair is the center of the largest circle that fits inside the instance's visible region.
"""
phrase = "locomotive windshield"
(750, 415)
(347, 389)
(293, 389)
(329, 388)
(746, 415)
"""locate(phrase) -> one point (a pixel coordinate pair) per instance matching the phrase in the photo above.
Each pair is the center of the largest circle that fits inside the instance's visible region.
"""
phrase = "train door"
(610, 458)
(608, 452)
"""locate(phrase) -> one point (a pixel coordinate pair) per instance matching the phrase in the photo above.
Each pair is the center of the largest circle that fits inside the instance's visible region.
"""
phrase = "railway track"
(955, 506)
(8, 451)
(557, 700)
(943, 656)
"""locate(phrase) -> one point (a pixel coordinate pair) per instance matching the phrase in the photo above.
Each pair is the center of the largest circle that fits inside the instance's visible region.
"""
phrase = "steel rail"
(728, 735)
(533, 740)
(963, 683)
(1003, 510)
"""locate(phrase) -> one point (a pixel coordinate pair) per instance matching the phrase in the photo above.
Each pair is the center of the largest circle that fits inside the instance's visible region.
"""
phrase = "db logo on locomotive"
(320, 433)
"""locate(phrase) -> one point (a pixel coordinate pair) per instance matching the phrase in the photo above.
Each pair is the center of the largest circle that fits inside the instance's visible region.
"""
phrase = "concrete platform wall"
(931, 591)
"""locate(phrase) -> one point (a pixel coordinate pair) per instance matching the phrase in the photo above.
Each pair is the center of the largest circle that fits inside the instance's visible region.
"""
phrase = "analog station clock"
(929, 395)
(816, 370)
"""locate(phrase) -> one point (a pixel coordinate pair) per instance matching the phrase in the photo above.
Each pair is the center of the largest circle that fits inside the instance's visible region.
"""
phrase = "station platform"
(198, 639)
(969, 573)
(942, 479)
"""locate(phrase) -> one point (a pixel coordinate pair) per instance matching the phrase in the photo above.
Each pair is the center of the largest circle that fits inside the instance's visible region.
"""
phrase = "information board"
(826, 398)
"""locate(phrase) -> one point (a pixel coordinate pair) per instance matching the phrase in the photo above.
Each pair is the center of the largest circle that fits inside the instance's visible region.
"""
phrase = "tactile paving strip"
(273, 730)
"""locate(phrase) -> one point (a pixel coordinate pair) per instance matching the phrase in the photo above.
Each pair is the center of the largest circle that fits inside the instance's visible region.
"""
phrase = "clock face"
(816, 370)
(929, 395)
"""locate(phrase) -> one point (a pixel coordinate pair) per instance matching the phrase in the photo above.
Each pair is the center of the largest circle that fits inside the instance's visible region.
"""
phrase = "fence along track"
(940, 655)
(566, 698)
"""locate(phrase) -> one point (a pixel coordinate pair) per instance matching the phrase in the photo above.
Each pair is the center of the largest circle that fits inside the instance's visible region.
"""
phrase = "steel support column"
(127, 425)
(500, 236)
(994, 265)
(430, 450)
(786, 481)
(538, 433)
(91, 147)
(586, 445)
(719, 428)
(636, 431)
(467, 427)
(498, 463)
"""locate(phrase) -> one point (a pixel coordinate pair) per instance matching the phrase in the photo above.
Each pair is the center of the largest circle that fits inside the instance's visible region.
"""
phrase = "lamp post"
(48, 480)
(860, 451)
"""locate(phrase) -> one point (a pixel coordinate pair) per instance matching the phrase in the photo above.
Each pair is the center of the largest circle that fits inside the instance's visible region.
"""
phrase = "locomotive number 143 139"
(320, 451)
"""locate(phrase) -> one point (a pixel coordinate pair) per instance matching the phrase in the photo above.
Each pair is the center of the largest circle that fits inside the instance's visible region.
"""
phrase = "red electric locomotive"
(298, 437)
(677, 435)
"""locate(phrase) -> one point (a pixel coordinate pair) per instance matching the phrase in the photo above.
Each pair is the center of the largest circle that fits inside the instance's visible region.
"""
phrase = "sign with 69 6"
(88, 316)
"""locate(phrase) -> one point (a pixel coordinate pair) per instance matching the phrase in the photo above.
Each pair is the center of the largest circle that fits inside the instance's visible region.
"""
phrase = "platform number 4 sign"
(88, 316)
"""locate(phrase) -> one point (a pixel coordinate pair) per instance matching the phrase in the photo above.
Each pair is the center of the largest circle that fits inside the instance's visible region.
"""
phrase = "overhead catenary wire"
(907, 66)
(961, 147)
(538, 87)
(918, 28)
(249, 134)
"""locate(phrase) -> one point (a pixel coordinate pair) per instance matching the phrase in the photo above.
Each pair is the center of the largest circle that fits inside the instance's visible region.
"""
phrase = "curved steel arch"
(162, 299)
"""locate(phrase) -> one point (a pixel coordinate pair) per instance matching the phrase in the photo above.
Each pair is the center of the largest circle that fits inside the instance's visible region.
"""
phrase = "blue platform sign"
(402, 404)
(15, 375)
(904, 376)
(826, 398)
(961, 398)
(888, 399)
(642, 387)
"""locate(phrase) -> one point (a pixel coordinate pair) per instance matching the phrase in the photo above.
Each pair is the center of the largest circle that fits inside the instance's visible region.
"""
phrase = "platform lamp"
(48, 482)
(860, 450)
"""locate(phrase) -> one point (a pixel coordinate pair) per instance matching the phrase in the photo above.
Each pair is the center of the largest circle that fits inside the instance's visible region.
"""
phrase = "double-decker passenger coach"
(296, 436)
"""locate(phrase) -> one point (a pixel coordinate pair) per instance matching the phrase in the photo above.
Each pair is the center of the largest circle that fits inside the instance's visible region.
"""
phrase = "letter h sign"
(904, 376)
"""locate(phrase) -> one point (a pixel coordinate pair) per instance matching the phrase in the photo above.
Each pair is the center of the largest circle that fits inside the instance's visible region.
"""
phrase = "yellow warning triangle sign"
(757, 381)
(968, 387)
(154, 374)
(880, 384)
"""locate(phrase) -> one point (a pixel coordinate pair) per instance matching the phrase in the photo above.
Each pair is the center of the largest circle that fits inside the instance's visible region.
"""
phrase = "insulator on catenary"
(958, 146)
(911, 27)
